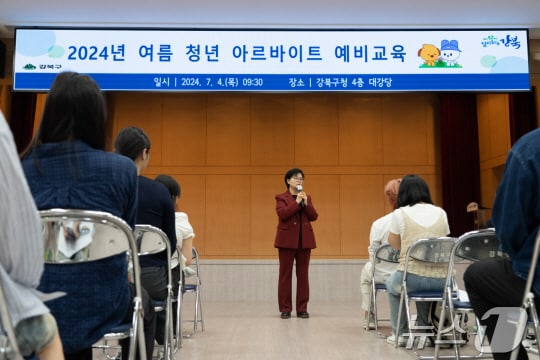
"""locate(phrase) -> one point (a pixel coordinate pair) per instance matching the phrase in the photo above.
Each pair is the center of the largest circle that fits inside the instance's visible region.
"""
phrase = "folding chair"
(103, 241)
(384, 254)
(470, 247)
(195, 288)
(9, 349)
(430, 251)
(528, 298)
(177, 298)
(152, 240)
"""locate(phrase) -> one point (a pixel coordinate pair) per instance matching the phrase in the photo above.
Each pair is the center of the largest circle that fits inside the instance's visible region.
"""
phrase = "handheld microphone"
(300, 189)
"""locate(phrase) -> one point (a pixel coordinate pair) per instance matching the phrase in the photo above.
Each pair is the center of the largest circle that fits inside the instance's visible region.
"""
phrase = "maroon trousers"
(287, 258)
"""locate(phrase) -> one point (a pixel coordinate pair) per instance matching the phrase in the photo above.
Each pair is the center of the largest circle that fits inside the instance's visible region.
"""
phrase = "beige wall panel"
(263, 216)
(316, 130)
(272, 129)
(145, 111)
(360, 130)
(362, 202)
(405, 134)
(228, 133)
(324, 190)
(227, 215)
(184, 130)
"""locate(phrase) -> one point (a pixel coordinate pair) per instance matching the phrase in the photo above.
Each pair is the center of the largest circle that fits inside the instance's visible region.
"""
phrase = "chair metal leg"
(200, 309)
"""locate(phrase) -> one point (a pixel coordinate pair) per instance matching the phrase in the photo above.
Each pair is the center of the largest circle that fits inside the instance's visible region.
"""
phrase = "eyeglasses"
(298, 178)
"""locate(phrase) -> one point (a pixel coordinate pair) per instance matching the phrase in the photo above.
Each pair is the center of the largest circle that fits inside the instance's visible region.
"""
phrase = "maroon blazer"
(288, 228)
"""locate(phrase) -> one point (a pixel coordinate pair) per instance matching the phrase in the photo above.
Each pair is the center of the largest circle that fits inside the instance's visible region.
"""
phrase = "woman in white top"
(184, 230)
(415, 218)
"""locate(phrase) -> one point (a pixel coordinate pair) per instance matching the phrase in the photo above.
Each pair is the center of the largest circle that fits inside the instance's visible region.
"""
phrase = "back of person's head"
(413, 190)
(171, 184)
(292, 172)
(74, 110)
(391, 191)
(131, 141)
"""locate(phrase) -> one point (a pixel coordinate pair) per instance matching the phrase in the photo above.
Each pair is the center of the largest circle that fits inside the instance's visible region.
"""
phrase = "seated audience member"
(415, 218)
(377, 237)
(154, 207)
(21, 258)
(500, 283)
(184, 230)
(66, 166)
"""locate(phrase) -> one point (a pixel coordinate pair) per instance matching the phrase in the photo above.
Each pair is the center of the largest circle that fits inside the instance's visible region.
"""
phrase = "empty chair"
(194, 287)
(384, 254)
(469, 247)
(90, 255)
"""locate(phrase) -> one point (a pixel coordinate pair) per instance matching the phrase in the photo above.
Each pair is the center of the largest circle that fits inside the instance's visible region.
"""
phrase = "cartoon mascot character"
(429, 53)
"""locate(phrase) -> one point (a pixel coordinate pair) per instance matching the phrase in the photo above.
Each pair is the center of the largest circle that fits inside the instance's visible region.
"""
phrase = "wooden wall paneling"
(184, 130)
(324, 190)
(227, 219)
(263, 215)
(490, 179)
(193, 202)
(272, 129)
(228, 130)
(360, 130)
(362, 201)
(316, 130)
(433, 133)
(499, 124)
(143, 110)
(40, 106)
(434, 183)
(404, 130)
(493, 130)
(5, 98)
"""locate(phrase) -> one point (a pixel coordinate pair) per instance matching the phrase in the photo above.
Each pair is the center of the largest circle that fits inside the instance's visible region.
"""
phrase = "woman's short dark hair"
(74, 110)
(291, 173)
(170, 183)
(413, 190)
(131, 141)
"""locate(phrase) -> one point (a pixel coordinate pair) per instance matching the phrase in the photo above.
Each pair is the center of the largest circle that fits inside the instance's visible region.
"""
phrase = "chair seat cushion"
(190, 287)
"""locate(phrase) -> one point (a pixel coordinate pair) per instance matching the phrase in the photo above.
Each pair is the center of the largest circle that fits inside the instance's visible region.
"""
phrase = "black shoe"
(302, 314)
(285, 314)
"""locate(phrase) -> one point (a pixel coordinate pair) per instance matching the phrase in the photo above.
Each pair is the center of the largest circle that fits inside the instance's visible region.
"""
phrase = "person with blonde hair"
(378, 236)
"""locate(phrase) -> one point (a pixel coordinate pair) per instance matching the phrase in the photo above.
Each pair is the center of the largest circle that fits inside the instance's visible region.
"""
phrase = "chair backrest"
(97, 246)
(386, 253)
(152, 240)
(432, 250)
(478, 245)
(9, 348)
